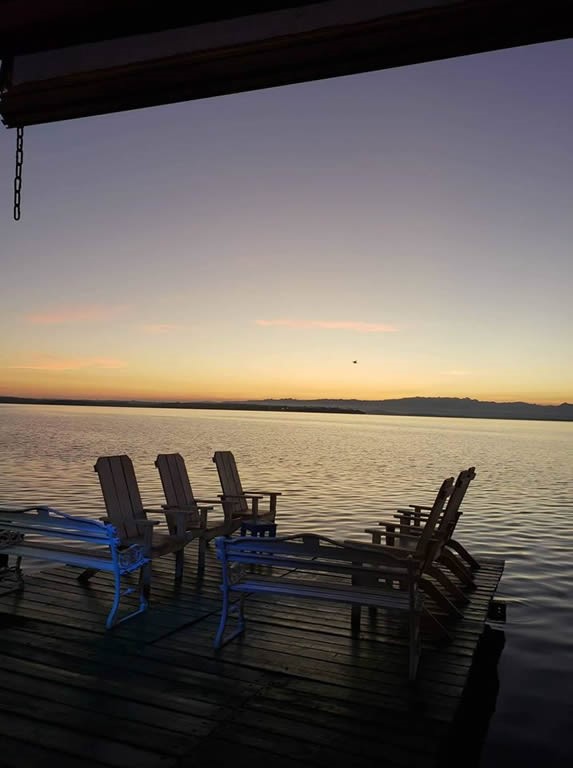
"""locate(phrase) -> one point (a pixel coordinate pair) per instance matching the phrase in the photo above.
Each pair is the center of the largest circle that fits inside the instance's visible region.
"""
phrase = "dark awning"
(65, 59)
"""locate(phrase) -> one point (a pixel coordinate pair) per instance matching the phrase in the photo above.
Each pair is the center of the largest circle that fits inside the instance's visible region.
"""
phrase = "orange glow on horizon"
(109, 390)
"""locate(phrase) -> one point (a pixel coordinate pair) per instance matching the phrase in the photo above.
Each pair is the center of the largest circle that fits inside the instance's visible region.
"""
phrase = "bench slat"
(82, 558)
(346, 593)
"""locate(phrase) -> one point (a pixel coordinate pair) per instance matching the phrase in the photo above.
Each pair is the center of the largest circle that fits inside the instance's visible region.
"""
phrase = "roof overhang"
(66, 59)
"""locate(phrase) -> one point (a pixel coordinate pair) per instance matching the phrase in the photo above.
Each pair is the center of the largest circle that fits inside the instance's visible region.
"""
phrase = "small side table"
(258, 528)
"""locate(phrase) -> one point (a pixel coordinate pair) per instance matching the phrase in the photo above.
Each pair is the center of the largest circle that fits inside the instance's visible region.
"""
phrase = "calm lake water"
(339, 473)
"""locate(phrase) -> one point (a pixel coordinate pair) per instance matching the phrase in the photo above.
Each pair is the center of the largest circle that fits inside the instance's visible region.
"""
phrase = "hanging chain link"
(18, 174)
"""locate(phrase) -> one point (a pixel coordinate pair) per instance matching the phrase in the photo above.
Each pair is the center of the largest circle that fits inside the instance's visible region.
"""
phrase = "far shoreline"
(262, 407)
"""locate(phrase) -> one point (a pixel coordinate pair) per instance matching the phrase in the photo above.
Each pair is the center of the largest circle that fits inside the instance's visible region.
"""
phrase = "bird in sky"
(355, 361)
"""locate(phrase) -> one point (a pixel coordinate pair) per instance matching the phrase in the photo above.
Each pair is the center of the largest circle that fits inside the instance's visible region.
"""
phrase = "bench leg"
(116, 598)
(143, 589)
(228, 608)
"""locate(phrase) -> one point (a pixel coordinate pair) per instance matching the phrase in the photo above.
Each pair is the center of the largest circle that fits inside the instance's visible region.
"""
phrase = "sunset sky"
(418, 220)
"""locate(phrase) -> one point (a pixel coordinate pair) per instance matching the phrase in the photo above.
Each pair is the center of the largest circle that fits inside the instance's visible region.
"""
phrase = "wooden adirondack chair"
(416, 514)
(126, 512)
(424, 551)
(179, 495)
(437, 527)
(235, 499)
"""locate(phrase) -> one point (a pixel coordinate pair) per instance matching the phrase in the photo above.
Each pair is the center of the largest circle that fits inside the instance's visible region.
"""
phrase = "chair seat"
(163, 543)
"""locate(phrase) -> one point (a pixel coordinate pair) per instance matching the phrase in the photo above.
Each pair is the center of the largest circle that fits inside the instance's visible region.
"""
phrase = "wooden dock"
(298, 689)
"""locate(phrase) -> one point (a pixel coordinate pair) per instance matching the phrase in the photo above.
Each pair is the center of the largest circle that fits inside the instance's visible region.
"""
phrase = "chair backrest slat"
(453, 510)
(230, 481)
(424, 549)
(121, 494)
(176, 483)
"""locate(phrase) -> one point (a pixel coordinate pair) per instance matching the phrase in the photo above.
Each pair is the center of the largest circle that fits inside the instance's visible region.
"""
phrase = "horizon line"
(251, 400)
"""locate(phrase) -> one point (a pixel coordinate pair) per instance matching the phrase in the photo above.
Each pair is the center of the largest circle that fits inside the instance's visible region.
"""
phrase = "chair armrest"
(413, 514)
(232, 496)
(396, 523)
(147, 523)
(189, 508)
(394, 556)
(177, 518)
(393, 531)
(264, 493)
(208, 501)
(398, 552)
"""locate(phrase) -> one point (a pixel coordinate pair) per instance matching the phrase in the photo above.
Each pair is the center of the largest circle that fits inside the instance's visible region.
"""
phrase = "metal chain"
(18, 175)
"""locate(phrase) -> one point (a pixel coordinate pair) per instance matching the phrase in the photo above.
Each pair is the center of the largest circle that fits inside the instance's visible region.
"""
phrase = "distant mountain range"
(462, 407)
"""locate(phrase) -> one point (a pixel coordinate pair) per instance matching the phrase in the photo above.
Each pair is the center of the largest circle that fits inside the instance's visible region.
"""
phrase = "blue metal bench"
(50, 535)
(312, 566)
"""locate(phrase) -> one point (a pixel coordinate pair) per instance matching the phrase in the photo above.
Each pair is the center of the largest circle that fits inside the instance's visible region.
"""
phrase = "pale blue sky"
(434, 199)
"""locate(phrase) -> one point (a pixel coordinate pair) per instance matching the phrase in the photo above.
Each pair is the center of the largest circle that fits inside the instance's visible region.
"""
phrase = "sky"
(417, 220)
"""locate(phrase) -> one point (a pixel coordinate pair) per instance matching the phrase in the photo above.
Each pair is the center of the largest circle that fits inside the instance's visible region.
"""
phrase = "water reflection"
(339, 473)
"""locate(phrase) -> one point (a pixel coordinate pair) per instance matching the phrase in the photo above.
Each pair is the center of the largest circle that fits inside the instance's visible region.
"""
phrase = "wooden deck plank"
(298, 688)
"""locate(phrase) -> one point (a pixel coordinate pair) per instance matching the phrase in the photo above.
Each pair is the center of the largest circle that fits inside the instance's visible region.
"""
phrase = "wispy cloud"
(160, 328)
(66, 315)
(331, 325)
(69, 364)
(456, 372)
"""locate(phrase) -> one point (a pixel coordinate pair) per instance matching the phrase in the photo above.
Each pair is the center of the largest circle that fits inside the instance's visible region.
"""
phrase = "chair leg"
(201, 555)
(439, 598)
(87, 574)
(437, 625)
(464, 554)
(358, 579)
(457, 568)
(179, 565)
(447, 583)
(145, 581)
(355, 612)
(415, 645)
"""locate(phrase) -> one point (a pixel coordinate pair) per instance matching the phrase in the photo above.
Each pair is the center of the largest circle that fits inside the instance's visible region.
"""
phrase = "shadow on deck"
(298, 689)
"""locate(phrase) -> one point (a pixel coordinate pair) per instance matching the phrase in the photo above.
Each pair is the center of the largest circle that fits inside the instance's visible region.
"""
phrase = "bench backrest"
(46, 521)
(121, 494)
(310, 552)
(176, 483)
(230, 483)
